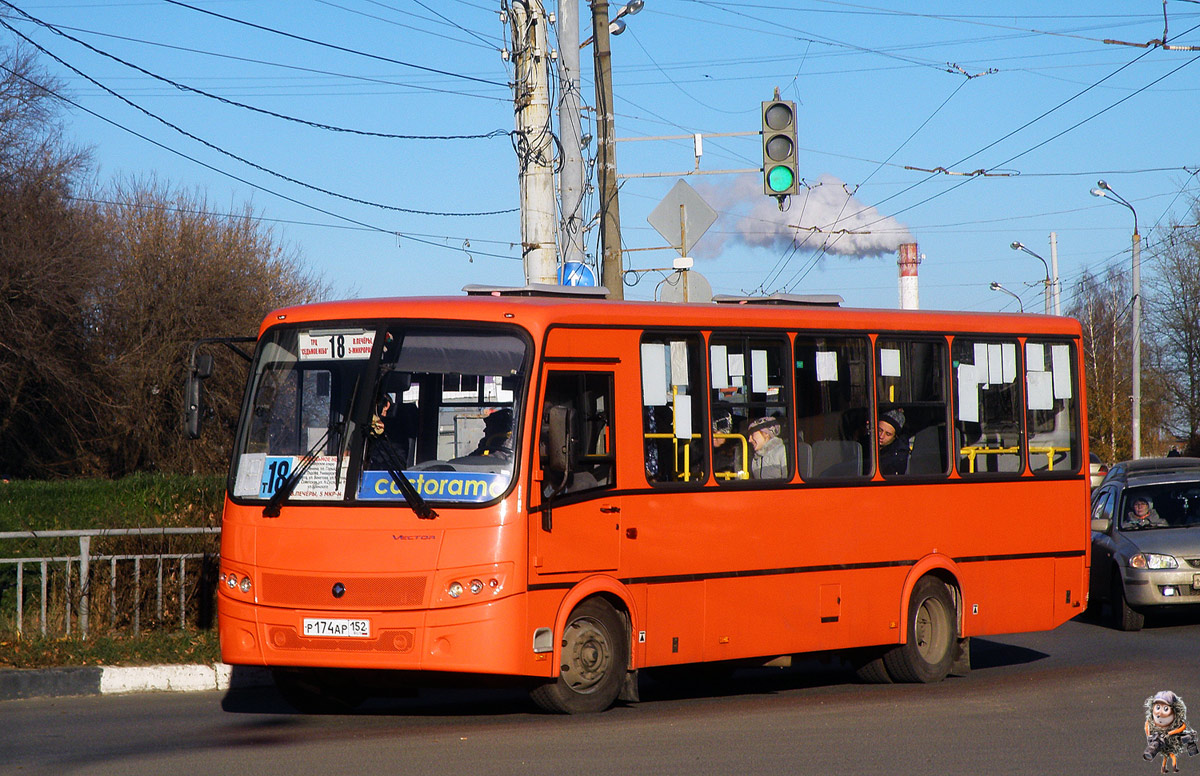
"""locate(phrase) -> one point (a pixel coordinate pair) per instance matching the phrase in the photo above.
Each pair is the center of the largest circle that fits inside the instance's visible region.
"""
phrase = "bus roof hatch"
(539, 289)
(805, 300)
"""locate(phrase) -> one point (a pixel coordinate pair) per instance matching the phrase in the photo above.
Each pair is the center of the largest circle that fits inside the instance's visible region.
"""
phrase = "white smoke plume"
(822, 215)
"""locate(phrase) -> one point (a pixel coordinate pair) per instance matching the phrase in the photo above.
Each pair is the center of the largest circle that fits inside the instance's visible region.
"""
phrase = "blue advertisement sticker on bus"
(470, 487)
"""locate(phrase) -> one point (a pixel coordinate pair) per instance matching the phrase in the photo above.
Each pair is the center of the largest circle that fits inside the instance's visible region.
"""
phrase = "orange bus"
(568, 490)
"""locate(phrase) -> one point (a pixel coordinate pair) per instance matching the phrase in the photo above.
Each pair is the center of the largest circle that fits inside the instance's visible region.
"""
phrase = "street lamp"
(1135, 424)
(1017, 246)
(615, 25)
(997, 287)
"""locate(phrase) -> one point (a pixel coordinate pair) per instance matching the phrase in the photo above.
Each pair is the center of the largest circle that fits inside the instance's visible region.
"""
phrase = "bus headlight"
(472, 584)
(1152, 560)
(244, 586)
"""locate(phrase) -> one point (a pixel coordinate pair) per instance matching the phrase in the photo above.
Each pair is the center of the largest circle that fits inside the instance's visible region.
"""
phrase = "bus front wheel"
(928, 654)
(594, 657)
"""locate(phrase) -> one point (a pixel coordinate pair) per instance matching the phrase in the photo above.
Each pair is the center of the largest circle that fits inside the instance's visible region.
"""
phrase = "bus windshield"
(372, 405)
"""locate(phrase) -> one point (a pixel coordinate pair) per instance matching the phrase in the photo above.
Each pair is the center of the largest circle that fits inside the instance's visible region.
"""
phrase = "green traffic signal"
(780, 178)
(780, 167)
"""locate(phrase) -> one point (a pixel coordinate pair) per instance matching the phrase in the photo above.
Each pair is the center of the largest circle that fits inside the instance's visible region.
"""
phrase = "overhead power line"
(234, 156)
(184, 87)
(234, 58)
(307, 205)
(335, 47)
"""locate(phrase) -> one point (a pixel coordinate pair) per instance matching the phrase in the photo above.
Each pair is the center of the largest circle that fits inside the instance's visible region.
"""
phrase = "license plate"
(345, 629)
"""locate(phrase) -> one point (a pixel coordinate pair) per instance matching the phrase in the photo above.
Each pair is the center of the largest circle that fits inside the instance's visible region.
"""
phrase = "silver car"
(1146, 538)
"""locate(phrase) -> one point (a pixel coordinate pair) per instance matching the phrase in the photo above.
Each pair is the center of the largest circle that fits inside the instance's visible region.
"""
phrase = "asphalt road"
(1064, 702)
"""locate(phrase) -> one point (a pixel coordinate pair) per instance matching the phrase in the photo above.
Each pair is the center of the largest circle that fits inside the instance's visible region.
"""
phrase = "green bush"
(136, 501)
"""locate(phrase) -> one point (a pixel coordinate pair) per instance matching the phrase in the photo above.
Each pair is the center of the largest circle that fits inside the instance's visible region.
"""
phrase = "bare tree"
(99, 303)
(176, 272)
(47, 270)
(1101, 307)
(1174, 307)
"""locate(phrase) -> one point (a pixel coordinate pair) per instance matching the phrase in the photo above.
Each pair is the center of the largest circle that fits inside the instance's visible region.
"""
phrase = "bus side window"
(911, 397)
(1051, 407)
(833, 406)
(751, 391)
(673, 427)
(579, 406)
(987, 401)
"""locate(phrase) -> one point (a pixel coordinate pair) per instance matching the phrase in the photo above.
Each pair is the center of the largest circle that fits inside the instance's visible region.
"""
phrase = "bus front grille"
(319, 592)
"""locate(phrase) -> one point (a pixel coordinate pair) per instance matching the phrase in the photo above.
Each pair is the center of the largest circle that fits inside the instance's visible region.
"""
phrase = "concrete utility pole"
(570, 178)
(606, 157)
(535, 146)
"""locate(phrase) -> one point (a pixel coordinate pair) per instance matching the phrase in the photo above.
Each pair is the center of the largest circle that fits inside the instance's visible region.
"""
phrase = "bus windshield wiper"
(395, 469)
(283, 491)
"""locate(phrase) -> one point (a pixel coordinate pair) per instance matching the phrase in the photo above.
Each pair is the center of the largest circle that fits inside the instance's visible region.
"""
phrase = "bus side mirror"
(193, 394)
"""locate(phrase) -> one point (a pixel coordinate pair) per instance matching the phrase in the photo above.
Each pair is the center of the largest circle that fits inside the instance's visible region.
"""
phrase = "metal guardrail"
(84, 561)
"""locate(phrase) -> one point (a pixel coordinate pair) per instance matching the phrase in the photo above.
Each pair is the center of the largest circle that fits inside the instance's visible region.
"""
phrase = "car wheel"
(1124, 617)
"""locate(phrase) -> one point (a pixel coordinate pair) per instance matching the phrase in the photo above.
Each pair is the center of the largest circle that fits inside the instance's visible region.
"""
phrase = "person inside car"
(1143, 515)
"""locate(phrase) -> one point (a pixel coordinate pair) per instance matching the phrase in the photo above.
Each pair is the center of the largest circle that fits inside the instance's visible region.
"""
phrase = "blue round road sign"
(575, 273)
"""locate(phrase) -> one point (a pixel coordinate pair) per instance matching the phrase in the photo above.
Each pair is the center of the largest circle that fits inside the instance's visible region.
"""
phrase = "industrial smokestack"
(908, 262)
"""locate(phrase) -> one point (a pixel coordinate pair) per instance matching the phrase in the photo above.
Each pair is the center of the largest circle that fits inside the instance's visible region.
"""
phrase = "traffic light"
(779, 148)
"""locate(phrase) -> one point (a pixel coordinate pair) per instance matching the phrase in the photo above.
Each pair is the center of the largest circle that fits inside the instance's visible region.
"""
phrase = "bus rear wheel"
(594, 657)
(928, 654)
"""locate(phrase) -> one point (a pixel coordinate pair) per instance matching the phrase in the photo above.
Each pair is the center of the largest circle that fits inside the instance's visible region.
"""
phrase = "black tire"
(928, 654)
(312, 691)
(868, 665)
(1124, 617)
(595, 656)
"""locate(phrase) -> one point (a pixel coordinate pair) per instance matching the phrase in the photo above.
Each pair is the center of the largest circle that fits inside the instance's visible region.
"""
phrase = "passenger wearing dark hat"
(497, 434)
(727, 447)
(893, 444)
(769, 460)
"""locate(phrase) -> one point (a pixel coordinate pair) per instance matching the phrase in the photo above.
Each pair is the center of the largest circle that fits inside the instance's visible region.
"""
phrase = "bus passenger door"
(580, 520)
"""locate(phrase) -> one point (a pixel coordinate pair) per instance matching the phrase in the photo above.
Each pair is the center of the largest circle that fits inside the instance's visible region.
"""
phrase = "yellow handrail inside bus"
(739, 474)
(972, 451)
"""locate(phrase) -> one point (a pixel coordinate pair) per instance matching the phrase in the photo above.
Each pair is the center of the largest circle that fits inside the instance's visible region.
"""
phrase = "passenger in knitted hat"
(893, 444)
(769, 459)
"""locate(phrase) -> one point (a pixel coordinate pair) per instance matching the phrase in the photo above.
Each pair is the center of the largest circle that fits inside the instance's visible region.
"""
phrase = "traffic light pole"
(535, 149)
(611, 268)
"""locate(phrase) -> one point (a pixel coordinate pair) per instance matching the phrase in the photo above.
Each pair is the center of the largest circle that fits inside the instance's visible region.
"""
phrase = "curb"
(112, 680)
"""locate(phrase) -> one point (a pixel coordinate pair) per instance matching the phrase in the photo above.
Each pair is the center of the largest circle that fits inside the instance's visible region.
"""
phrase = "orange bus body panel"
(704, 574)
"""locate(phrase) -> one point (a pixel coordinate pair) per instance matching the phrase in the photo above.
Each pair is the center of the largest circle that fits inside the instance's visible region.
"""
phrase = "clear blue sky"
(881, 87)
